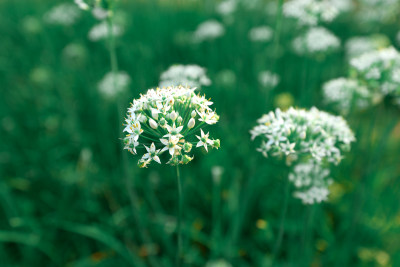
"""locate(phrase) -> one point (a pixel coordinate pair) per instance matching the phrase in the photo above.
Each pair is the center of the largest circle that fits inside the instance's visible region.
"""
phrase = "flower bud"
(191, 123)
(173, 115)
(216, 144)
(153, 123)
(303, 135)
(162, 122)
(193, 114)
(154, 113)
(187, 147)
(179, 120)
(186, 159)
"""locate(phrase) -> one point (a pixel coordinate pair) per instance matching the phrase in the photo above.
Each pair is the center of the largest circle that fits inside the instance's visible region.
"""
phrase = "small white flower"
(174, 131)
(152, 153)
(171, 145)
(203, 140)
(208, 30)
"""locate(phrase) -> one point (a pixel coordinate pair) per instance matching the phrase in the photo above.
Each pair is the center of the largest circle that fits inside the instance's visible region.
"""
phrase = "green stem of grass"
(179, 220)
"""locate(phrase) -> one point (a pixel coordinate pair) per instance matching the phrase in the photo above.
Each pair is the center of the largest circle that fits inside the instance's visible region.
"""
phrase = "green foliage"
(70, 195)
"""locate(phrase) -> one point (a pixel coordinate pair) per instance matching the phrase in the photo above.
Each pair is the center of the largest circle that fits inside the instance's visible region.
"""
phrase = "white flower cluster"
(268, 79)
(377, 11)
(187, 75)
(313, 12)
(208, 30)
(226, 7)
(100, 31)
(311, 181)
(64, 14)
(316, 41)
(310, 139)
(261, 34)
(346, 94)
(301, 133)
(356, 46)
(380, 71)
(169, 119)
(110, 86)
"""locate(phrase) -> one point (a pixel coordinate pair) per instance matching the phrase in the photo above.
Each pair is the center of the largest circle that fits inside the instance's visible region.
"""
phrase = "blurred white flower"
(64, 14)
(82, 4)
(314, 133)
(218, 263)
(100, 13)
(268, 79)
(311, 181)
(208, 30)
(316, 41)
(372, 12)
(313, 12)
(261, 34)
(356, 46)
(187, 75)
(107, 87)
(313, 195)
(346, 94)
(100, 31)
(379, 70)
(226, 7)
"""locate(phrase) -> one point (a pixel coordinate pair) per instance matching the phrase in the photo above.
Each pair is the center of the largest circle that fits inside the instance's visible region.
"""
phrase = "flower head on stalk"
(309, 140)
(169, 119)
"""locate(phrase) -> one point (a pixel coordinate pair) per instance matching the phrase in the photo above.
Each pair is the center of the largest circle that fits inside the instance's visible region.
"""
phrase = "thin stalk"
(179, 221)
(283, 219)
(132, 194)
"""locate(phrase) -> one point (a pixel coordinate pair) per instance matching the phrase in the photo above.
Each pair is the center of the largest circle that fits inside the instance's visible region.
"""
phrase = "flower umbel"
(167, 120)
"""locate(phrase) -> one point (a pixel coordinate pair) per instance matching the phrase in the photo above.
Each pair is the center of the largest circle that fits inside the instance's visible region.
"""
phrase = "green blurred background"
(70, 196)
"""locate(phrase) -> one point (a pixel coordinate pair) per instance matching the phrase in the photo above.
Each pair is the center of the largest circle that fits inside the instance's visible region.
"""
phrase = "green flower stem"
(283, 219)
(179, 220)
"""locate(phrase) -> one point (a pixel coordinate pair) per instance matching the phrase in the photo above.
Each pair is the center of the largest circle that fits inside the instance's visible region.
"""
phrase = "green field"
(70, 195)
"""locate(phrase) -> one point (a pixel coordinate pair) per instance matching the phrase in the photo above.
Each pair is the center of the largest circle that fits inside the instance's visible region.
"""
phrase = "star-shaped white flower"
(203, 140)
(173, 131)
(152, 153)
(171, 144)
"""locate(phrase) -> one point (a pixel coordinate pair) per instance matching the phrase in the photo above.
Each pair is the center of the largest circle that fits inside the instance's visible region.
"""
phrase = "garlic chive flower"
(309, 141)
(187, 75)
(298, 133)
(168, 119)
(65, 14)
(379, 70)
(316, 41)
(314, 12)
(312, 182)
(345, 95)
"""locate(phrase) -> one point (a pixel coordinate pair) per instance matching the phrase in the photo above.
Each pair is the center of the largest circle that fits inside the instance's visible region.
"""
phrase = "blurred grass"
(69, 198)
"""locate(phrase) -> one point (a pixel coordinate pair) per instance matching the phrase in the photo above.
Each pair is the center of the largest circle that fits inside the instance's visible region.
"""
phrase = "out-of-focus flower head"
(111, 84)
(171, 120)
(311, 181)
(313, 12)
(300, 133)
(377, 12)
(268, 79)
(208, 30)
(356, 46)
(63, 14)
(187, 75)
(379, 70)
(261, 34)
(345, 95)
(316, 41)
(101, 31)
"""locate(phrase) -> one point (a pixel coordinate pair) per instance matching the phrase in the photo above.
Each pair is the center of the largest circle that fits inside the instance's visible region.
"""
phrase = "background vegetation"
(70, 196)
